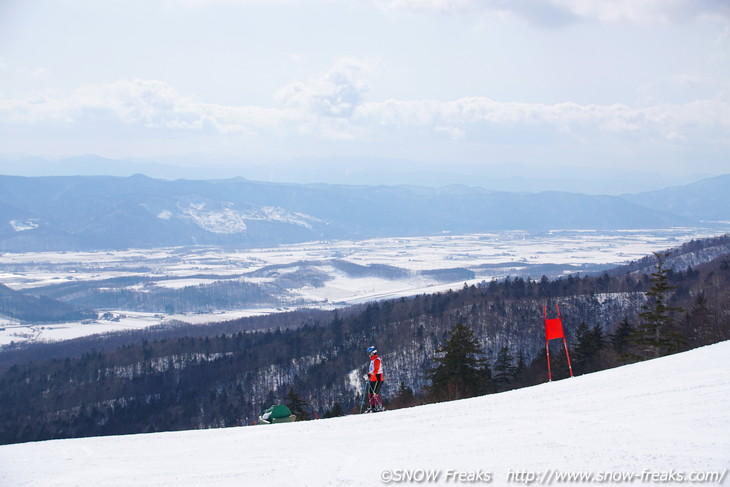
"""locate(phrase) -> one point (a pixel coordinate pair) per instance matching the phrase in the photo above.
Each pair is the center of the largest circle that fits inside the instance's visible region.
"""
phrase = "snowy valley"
(140, 288)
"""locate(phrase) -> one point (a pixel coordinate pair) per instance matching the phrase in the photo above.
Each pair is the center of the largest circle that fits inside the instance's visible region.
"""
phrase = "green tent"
(277, 414)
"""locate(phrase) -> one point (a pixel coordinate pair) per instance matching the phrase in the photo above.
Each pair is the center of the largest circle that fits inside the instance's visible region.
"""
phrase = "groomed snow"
(654, 420)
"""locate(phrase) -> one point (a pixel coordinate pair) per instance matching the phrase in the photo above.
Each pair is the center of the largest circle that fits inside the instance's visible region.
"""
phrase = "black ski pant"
(375, 386)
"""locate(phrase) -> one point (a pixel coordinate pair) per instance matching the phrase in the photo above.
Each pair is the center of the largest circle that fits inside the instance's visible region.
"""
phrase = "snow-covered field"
(12, 331)
(662, 422)
(509, 251)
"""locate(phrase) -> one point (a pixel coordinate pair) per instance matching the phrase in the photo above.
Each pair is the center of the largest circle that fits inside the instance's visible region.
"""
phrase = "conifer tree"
(657, 335)
(297, 405)
(700, 324)
(581, 348)
(335, 412)
(589, 342)
(621, 339)
(504, 369)
(460, 367)
(521, 366)
(405, 397)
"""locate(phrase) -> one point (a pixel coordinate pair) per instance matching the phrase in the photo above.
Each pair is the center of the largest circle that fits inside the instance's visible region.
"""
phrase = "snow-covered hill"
(666, 421)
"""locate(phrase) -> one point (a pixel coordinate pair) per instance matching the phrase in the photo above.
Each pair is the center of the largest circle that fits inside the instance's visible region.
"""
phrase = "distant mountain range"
(707, 200)
(362, 170)
(97, 212)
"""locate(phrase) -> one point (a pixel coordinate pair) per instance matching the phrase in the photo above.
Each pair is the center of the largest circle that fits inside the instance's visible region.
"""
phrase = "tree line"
(662, 327)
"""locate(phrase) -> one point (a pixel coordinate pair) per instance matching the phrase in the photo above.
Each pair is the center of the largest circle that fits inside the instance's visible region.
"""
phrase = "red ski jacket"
(375, 372)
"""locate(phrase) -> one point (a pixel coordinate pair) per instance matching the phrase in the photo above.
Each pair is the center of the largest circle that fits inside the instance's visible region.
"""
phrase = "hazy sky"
(625, 83)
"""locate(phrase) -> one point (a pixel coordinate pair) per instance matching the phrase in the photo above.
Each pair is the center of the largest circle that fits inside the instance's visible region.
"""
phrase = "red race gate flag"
(553, 326)
(553, 330)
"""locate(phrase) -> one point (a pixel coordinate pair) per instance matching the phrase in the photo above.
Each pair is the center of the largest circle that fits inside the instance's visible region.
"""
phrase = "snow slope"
(655, 420)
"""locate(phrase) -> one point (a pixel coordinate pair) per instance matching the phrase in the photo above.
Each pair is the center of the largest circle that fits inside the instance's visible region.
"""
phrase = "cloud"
(202, 4)
(334, 106)
(564, 11)
(542, 11)
(337, 93)
(453, 133)
(206, 3)
(643, 10)
(24, 72)
(438, 6)
(680, 122)
(147, 104)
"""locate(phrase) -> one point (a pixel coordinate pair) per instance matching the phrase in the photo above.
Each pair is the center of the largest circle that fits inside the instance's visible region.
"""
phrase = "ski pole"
(362, 403)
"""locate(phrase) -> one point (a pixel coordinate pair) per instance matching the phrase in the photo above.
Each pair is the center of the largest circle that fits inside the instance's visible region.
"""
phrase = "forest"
(225, 375)
(40, 309)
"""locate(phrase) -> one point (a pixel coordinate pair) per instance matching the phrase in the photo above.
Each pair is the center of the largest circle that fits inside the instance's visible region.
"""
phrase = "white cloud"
(204, 3)
(673, 122)
(561, 11)
(25, 72)
(453, 133)
(334, 107)
(643, 10)
(337, 93)
(149, 104)
(447, 6)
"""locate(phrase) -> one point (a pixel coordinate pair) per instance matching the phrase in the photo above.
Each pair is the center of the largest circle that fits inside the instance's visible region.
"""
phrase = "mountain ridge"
(357, 170)
(107, 212)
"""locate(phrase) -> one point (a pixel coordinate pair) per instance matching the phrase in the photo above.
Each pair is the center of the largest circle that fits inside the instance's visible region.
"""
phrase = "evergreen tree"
(297, 405)
(657, 335)
(589, 343)
(621, 339)
(459, 371)
(504, 369)
(405, 397)
(335, 412)
(581, 348)
(521, 361)
(520, 368)
(700, 325)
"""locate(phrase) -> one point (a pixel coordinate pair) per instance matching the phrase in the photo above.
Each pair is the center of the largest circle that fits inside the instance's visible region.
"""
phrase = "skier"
(375, 379)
